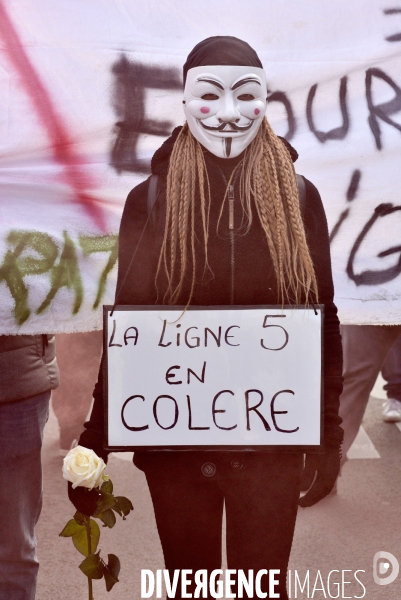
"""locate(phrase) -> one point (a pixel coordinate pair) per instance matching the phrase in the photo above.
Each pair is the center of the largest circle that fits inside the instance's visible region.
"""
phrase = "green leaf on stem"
(111, 571)
(95, 534)
(93, 566)
(118, 510)
(104, 502)
(123, 506)
(107, 486)
(80, 518)
(108, 518)
(80, 539)
(71, 528)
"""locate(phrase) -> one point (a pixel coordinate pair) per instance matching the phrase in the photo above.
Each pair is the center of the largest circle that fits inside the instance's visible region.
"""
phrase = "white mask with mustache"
(225, 106)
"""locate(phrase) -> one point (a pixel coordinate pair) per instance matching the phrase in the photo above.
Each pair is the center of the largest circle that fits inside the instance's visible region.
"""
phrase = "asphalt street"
(343, 532)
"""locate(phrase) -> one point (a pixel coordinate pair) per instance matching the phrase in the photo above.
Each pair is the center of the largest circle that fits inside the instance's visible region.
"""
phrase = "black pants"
(260, 497)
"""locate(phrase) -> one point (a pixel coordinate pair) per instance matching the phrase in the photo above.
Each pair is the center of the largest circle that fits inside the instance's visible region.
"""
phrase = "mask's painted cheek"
(254, 109)
(200, 109)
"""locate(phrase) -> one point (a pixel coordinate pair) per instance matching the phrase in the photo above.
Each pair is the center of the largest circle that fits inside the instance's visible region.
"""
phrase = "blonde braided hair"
(268, 183)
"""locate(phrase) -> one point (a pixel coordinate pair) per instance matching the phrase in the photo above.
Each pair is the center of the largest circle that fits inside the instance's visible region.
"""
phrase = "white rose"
(83, 467)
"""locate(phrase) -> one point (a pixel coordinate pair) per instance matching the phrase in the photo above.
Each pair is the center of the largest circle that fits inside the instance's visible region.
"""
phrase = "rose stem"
(88, 534)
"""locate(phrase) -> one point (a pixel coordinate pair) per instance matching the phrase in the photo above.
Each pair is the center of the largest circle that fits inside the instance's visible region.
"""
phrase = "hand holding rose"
(84, 471)
(91, 492)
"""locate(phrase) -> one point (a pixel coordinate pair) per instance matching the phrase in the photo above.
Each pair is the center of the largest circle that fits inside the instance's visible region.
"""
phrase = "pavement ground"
(343, 532)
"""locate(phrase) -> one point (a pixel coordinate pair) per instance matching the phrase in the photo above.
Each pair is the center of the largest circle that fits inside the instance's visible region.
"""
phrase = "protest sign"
(213, 377)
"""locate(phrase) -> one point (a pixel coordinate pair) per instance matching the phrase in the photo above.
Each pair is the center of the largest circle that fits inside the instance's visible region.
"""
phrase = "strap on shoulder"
(152, 195)
(302, 193)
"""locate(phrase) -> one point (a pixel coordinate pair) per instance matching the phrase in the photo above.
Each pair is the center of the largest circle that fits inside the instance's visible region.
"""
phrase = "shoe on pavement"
(392, 411)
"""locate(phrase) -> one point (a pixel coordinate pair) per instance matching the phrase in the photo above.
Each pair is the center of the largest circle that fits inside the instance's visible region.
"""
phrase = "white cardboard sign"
(213, 377)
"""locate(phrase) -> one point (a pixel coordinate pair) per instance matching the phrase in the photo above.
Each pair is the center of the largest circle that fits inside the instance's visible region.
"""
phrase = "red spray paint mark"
(61, 144)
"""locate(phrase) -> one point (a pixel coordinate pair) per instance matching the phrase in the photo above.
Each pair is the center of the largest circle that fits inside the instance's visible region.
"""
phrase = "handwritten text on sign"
(213, 377)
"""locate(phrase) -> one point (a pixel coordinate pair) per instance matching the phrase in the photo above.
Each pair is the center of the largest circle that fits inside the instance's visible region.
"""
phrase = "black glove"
(83, 499)
(319, 476)
(94, 440)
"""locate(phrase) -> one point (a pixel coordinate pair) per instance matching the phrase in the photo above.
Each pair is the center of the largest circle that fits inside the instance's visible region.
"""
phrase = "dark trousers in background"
(365, 349)
(261, 503)
(391, 371)
(21, 433)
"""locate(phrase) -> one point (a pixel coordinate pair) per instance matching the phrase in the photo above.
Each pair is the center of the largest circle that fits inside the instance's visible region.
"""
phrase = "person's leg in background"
(78, 357)
(21, 434)
(391, 371)
(365, 348)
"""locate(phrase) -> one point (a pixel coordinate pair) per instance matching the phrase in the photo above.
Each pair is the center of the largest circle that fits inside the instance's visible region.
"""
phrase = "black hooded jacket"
(240, 272)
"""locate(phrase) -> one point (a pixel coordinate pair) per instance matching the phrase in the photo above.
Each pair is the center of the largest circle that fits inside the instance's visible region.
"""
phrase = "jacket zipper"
(231, 231)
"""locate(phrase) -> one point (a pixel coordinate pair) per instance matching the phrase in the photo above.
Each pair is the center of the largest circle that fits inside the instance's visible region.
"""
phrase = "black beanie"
(221, 50)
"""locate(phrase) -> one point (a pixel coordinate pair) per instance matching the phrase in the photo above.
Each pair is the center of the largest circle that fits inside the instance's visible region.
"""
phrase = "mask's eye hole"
(246, 97)
(210, 97)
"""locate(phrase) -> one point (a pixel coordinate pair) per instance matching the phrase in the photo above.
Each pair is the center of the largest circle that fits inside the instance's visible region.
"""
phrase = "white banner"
(89, 90)
(213, 377)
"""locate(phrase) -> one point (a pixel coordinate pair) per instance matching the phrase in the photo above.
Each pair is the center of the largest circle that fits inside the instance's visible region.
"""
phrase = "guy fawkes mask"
(225, 106)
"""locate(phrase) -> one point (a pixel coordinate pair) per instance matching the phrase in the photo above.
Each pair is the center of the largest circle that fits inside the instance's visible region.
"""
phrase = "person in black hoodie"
(226, 229)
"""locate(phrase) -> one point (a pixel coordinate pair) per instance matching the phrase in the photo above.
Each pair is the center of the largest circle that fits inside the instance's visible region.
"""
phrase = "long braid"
(298, 256)
(268, 185)
(174, 178)
(183, 217)
(265, 210)
(275, 201)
